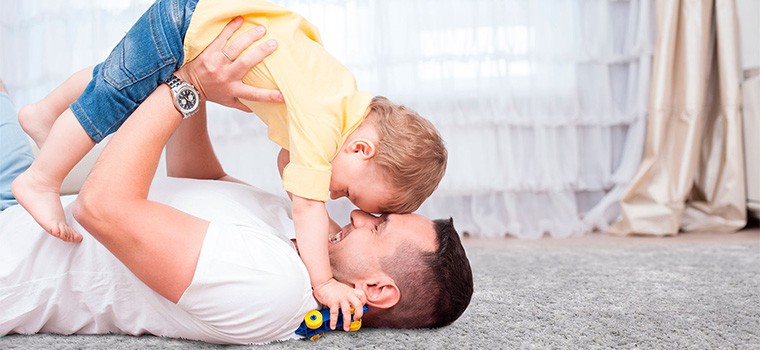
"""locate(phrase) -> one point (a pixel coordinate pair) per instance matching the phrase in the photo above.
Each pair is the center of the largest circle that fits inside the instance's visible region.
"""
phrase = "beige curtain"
(692, 175)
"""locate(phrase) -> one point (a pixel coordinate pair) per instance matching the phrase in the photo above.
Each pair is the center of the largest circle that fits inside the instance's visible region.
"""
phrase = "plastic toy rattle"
(317, 322)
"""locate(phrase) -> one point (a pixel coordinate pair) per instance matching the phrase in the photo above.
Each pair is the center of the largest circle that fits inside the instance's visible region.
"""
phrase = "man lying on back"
(203, 257)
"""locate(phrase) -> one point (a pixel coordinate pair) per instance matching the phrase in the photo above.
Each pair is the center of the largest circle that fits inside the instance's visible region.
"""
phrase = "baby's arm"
(311, 223)
(283, 158)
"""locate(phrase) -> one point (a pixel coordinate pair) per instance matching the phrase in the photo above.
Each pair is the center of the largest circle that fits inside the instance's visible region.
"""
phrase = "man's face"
(360, 245)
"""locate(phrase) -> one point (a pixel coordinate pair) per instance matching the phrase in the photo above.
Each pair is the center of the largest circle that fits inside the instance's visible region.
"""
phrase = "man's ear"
(363, 147)
(382, 294)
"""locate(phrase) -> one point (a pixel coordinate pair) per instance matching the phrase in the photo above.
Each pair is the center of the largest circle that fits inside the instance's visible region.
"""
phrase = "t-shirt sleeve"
(248, 287)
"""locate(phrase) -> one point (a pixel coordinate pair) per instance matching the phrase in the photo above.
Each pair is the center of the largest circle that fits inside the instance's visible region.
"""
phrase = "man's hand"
(336, 295)
(218, 71)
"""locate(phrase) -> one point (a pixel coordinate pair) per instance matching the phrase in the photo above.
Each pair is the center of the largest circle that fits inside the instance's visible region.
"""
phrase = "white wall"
(749, 32)
(749, 41)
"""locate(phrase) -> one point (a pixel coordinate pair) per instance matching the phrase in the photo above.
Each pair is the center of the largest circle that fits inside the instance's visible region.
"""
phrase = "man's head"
(391, 163)
(414, 271)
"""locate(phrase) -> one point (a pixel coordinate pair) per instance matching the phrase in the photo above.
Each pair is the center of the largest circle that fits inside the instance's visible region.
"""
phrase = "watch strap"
(174, 82)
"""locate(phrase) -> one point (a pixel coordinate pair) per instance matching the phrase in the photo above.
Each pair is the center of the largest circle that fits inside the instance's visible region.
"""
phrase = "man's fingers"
(254, 56)
(250, 93)
(226, 34)
(235, 47)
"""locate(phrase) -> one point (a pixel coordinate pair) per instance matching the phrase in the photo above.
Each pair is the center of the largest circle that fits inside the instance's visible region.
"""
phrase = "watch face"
(187, 99)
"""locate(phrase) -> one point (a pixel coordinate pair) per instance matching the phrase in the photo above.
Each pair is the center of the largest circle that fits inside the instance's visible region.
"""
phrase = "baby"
(336, 141)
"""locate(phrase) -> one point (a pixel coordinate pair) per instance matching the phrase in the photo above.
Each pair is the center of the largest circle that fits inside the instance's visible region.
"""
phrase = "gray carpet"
(694, 291)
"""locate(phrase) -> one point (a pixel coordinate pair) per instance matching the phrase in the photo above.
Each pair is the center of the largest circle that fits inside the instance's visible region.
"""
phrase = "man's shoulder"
(248, 287)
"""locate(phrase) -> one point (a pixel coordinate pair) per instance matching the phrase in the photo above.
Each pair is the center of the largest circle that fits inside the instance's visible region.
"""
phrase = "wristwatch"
(186, 97)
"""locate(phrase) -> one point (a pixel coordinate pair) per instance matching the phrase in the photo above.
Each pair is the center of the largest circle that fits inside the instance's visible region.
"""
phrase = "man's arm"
(189, 153)
(158, 243)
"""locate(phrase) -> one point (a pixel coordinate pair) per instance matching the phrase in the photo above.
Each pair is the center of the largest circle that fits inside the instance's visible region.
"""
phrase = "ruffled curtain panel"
(542, 103)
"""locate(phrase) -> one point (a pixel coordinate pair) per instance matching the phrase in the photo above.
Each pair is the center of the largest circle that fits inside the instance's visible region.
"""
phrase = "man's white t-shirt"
(249, 286)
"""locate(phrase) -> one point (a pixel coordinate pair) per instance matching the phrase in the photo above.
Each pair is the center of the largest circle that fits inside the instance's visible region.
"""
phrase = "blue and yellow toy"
(317, 322)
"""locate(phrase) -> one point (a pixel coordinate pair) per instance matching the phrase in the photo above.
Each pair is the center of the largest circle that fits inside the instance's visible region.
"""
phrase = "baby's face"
(361, 183)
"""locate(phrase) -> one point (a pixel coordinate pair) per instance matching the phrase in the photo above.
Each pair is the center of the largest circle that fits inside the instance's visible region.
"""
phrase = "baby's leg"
(38, 188)
(37, 118)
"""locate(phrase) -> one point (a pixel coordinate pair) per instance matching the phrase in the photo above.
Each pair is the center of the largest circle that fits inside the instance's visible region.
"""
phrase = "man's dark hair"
(436, 287)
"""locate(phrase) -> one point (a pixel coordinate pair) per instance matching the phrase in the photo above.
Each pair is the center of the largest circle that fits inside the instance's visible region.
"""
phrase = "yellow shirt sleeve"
(322, 103)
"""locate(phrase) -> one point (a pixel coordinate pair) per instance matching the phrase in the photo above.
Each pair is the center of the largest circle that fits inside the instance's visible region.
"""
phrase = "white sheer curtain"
(541, 103)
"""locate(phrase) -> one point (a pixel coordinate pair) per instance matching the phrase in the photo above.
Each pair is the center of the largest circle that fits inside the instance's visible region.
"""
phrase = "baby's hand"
(336, 295)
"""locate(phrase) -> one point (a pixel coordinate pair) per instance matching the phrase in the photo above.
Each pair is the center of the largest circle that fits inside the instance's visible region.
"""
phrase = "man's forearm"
(125, 171)
(158, 243)
(189, 152)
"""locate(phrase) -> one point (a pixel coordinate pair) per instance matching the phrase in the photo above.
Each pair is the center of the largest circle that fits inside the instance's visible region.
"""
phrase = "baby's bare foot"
(36, 122)
(42, 200)
(66, 233)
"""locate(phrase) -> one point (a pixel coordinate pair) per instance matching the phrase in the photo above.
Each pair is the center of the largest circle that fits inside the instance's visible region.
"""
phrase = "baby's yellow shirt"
(322, 104)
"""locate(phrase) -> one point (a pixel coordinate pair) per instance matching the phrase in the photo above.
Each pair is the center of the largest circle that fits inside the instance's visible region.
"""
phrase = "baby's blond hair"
(410, 154)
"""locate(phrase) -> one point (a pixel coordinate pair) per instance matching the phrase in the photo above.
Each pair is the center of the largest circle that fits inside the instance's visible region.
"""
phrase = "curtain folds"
(542, 104)
(692, 174)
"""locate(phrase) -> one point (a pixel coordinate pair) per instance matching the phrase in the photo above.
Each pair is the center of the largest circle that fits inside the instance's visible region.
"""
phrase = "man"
(204, 257)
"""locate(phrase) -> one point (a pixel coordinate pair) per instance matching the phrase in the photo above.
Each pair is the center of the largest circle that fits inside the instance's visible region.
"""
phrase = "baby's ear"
(363, 147)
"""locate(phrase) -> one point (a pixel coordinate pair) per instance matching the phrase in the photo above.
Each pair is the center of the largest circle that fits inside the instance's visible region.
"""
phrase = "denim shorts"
(145, 58)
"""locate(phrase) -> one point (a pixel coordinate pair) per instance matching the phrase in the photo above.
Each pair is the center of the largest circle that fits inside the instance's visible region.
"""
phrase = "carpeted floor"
(694, 291)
